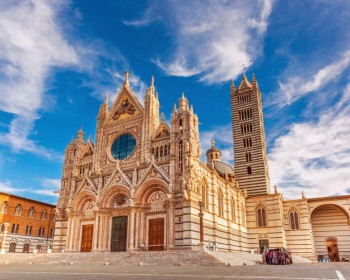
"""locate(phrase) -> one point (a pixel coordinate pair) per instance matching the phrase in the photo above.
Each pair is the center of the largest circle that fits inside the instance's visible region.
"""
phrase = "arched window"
(294, 219)
(261, 216)
(18, 210)
(31, 212)
(4, 207)
(204, 196)
(233, 210)
(180, 156)
(43, 215)
(220, 203)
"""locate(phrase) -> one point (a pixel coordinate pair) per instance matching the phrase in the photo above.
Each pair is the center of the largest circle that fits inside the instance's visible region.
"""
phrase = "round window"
(123, 146)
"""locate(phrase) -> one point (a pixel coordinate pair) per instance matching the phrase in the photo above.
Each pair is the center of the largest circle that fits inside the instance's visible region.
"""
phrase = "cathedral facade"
(142, 186)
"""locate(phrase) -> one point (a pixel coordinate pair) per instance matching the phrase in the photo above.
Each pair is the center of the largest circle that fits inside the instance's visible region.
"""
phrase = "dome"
(213, 153)
(221, 167)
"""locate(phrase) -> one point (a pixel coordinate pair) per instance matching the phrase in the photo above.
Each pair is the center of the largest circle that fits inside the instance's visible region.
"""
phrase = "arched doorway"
(331, 232)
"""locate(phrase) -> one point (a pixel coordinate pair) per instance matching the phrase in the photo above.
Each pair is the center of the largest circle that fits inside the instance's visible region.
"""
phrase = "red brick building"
(30, 224)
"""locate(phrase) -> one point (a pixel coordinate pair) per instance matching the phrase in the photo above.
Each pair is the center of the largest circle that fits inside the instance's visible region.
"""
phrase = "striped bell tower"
(251, 169)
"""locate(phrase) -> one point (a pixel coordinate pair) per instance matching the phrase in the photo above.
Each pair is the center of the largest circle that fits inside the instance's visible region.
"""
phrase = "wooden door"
(332, 248)
(86, 238)
(156, 235)
(26, 248)
(119, 234)
(263, 244)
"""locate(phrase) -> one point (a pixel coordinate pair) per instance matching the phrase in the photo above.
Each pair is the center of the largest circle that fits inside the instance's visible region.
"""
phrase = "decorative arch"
(143, 192)
(294, 220)
(261, 215)
(332, 204)
(84, 198)
(109, 197)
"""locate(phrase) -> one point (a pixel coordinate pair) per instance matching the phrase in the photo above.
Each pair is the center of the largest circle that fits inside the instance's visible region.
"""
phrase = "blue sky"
(59, 58)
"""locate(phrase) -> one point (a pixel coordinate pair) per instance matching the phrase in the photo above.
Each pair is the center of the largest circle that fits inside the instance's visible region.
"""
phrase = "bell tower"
(251, 169)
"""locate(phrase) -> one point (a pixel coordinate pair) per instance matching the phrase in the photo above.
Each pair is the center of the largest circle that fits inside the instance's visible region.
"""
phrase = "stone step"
(121, 258)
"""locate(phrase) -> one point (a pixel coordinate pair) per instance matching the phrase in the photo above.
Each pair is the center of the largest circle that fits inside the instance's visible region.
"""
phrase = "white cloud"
(297, 86)
(6, 186)
(222, 136)
(31, 43)
(315, 156)
(48, 187)
(212, 38)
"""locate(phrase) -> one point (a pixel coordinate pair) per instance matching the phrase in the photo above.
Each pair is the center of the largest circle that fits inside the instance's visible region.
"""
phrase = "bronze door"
(86, 238)
(156, 235)
(119, 234)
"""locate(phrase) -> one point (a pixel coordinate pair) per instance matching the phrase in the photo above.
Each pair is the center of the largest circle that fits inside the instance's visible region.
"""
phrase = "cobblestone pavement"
(338, 271)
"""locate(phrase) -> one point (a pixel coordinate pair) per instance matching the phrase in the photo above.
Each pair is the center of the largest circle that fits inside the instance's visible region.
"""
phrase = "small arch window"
(43, 215)
(18, 210)
(31, 212)
(294, 219)
(4, 207)
(261, 220)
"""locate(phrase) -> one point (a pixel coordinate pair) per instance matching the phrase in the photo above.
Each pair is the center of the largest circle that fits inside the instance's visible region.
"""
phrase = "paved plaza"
(161, 265)
(87, 272)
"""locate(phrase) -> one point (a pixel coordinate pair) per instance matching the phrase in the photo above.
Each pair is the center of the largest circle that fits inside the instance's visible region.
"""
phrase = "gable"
(125, 106)
(163, 131)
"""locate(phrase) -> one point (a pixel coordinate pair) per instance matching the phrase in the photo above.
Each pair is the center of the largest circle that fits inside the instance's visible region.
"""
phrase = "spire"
(212, 143)
(183, 103)
(191, 108)
(152, 81)
(253, 78)
(126, 81)
(162, 116)
(244, 83)
(80, 135)
(106, 98)
(232, 87)
(174, 109)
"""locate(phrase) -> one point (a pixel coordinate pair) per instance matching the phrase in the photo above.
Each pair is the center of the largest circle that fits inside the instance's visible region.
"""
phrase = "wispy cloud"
(295, 86)
(29, 40)
(6, 186)
(222, 136)
(212, 39)
(315, 156)
(48, 186)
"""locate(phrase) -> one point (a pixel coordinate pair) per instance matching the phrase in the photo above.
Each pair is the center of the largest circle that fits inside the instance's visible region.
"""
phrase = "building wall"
(23, 220)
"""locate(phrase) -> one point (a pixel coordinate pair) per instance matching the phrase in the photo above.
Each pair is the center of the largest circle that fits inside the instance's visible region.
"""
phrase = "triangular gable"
(163, 130)
(153, 171)
(126, 105)
(118, 177)
(86, 184)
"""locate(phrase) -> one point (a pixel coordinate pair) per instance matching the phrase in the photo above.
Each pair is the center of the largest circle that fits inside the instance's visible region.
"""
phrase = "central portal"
(156, 235)
(119, 234)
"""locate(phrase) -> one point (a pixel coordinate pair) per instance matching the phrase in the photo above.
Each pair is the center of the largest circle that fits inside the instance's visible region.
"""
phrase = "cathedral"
(142, 186)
